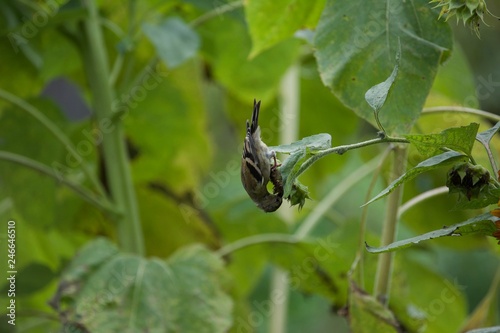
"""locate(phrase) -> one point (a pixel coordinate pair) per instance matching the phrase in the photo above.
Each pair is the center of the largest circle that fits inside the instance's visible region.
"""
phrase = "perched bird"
(257, 169)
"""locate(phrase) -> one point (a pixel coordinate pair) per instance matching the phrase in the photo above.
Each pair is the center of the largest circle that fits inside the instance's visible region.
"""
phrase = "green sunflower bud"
(470, 12)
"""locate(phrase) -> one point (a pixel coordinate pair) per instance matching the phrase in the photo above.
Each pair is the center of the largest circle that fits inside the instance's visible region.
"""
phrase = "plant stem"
(477, 112)
(342, 149)
(216, 12)
(46, 170)
(58, 134)
(493, 163)
(257, 239)
(384, 267)
(422, 197)
(115, 154)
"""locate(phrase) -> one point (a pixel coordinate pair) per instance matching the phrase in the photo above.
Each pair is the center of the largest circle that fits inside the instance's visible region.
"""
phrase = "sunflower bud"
(470, 12)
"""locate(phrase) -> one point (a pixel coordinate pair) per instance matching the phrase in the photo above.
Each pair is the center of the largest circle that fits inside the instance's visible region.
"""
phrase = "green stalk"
(83, 192)
(344, 148)
(255, 240)
(217, 11)
(462, 109)
(115, 154)
(422, 197)
(58, 134)
(384, 267)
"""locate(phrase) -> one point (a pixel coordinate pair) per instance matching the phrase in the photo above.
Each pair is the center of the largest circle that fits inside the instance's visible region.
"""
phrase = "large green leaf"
(356, 43)
(456, 138)
(202, 304)
(432, 163)
(482, 224)
(116, 292)
(271, 22)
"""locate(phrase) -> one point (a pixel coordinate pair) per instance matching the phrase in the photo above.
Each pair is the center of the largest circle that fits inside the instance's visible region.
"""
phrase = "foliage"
(104, 290)
(120, 143)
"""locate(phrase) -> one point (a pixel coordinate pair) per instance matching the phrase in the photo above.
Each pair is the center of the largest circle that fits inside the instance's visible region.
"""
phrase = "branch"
(216, 12)
(462, 109)
(344, 148)
(58, 134)
(257, 239)
(42, 168)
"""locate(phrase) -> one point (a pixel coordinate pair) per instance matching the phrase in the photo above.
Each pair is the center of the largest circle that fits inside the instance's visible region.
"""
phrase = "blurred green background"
(184, 126)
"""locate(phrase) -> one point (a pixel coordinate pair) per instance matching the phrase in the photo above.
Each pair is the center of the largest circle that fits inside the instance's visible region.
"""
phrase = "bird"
(257, 168)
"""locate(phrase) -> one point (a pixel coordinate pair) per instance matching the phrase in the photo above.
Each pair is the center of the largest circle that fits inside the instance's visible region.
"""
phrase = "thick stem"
(384, 267)
(115, 156)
